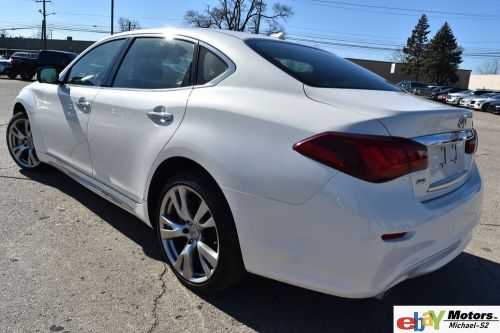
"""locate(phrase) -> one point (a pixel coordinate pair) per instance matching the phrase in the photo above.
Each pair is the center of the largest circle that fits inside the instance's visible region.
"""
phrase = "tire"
(20, 143)
(484, 108)
(26, 76)
(187, 234)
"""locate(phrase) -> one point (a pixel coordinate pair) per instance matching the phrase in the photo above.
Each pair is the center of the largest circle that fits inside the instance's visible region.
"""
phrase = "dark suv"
(26, 64)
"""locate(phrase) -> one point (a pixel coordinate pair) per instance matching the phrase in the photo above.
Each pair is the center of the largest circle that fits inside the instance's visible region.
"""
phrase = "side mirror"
(47, 75)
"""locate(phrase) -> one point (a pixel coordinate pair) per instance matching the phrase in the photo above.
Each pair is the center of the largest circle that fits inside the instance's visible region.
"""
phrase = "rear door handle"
(160, 114)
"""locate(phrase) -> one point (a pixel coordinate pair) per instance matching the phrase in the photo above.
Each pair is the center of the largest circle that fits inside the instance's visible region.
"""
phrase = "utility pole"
(112, 14)
(44, 22)
(259, 16)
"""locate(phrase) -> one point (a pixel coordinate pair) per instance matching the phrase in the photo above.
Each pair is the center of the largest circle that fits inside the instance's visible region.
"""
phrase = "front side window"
(210, 66)
(156, 63)
(91, 69)
(318, 68)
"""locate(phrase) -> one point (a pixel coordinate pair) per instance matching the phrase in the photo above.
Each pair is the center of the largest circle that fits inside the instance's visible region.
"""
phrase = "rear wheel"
(197, 233)
(20, 143)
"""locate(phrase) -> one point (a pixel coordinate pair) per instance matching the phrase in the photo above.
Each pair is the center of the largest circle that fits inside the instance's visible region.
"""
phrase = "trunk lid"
(444, 130)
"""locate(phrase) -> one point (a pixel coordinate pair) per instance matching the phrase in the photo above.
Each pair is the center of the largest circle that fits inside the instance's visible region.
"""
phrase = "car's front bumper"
(332, 243)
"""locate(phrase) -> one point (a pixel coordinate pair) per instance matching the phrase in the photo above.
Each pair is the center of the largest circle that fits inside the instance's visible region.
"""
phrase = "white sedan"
(250, 154)
(483, 101)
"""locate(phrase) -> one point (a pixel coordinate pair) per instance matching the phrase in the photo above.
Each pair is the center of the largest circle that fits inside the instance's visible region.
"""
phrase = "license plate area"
(446, 161)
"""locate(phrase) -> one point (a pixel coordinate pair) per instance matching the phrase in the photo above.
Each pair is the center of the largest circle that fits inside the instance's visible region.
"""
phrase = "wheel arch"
(167, 169)
(18, 108)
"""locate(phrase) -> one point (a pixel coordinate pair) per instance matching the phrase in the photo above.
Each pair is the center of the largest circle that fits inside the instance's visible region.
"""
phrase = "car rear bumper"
(332, 243)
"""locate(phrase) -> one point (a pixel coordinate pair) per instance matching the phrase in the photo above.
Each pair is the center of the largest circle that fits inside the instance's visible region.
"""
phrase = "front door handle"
(82, 104)
(160, 114)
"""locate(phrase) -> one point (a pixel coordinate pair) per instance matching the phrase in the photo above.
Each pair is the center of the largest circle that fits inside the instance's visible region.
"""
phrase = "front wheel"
(20, 143)
(197, 233)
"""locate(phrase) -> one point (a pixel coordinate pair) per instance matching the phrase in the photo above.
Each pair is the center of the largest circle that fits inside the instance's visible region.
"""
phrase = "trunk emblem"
(462, 121)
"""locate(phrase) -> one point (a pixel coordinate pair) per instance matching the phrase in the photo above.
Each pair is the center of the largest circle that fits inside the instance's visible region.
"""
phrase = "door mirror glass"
(47, 75)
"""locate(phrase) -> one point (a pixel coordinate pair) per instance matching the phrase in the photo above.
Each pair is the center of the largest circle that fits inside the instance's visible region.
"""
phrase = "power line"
(341, 5)
(408, 9)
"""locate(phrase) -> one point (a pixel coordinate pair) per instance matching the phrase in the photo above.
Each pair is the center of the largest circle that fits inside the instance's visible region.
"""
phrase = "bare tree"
(127, 24)
(490, 67)
(398, 57)
(241, 15)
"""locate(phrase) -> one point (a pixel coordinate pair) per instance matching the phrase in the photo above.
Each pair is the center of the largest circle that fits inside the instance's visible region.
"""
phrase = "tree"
(127, 24)
(443, 57)
(491, 67)
(241, 15)
(397, 57)
(416, 47)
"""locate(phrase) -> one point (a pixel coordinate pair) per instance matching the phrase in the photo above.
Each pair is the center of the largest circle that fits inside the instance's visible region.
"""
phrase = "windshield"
(318, 68)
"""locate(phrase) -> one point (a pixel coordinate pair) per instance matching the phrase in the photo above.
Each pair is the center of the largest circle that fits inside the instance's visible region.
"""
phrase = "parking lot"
(72, 262)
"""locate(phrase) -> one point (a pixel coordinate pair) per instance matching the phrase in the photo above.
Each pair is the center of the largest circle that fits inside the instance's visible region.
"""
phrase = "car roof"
(195, 33)
(57, 51)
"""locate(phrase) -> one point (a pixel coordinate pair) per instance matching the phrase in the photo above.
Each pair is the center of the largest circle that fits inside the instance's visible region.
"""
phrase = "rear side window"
(318, 68)
(210, 66)
(55, 58)
(156, 63)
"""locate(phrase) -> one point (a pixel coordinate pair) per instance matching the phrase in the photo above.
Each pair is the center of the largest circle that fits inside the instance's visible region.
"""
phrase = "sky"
(369, 29)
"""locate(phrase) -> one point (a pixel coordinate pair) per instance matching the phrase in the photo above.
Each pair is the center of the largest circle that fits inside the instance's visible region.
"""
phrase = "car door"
(133, 119)
(65, 108)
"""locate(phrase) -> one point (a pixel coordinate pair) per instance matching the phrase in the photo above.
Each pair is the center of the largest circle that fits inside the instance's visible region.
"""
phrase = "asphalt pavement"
(72, 262)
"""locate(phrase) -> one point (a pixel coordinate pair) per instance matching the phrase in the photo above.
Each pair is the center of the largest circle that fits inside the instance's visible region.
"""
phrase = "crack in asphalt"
(490, 224)
(154, 312)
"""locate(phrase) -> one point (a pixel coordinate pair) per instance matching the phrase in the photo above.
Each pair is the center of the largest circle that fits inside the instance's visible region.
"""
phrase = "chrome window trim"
(445, 138)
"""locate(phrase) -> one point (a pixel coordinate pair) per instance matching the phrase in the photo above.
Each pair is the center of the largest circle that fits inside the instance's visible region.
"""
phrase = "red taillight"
(13, 61)
(471, 144)
(372, 158)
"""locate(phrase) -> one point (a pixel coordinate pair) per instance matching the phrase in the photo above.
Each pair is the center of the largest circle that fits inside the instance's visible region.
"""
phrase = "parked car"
(482, 102)
(494, 107)
(443, 95)
(411, 86)
(455, 98)
(319, 174)
(429, 92)
(26, 65)
(3, 63)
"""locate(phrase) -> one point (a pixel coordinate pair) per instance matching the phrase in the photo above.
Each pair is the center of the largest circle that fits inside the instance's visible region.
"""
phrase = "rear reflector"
(471, 144)
(372, 158)
(387, 237)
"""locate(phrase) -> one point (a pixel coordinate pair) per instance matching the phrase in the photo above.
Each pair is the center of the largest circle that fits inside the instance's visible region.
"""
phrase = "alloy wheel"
(189, 234)
(20, 142)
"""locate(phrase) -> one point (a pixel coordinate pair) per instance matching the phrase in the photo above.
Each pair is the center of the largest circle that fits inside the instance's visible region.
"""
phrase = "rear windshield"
(318, 68)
